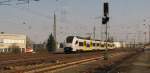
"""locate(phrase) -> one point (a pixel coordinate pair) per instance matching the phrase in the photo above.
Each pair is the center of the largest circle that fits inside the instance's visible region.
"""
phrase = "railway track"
(60, 66)
(34, 60)
(49, 62)
(51, 68)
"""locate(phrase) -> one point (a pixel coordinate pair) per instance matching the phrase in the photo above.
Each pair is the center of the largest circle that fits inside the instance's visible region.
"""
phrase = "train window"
(61, 45)
(93, 44)
(102, 45)
(108, 45)
(69, 39)
(80, 43)
(97, 44)
(76, 42)
(113, 45)
(87, 45)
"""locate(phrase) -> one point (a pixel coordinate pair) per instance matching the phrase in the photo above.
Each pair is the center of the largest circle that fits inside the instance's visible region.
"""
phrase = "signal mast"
(105, 20)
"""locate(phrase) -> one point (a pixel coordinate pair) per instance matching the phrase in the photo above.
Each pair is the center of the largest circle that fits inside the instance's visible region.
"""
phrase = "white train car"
(76, 43)
(117, 44)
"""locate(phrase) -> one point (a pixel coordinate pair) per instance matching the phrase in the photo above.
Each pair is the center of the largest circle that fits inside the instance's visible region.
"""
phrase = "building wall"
(7, 40)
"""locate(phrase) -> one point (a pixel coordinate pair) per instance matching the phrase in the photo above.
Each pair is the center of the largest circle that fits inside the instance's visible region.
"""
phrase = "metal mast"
(94, 29)
(54, 27)
(149, 33)
(105, 20)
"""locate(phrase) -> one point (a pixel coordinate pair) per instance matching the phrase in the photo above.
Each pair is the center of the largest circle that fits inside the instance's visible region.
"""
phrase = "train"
(76, 44)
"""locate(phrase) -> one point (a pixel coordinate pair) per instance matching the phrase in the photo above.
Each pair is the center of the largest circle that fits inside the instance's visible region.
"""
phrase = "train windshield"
(69, 39)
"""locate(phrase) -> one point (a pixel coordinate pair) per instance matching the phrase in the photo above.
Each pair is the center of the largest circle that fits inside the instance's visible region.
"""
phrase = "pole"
(127, 37)
(54, 30)
(149, 33)
(105, 20)
(94, 29)
(134, 43)
(106, 40)
(145, 36)
(54, 27)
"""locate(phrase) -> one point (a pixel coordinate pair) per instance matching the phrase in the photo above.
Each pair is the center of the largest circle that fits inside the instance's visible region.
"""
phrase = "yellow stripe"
(91, 44)
(84, 44)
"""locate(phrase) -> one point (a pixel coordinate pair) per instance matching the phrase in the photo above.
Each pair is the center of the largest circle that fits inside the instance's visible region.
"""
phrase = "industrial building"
(7, 41)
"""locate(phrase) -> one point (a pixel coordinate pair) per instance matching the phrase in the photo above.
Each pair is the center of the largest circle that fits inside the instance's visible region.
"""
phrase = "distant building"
(8, 40)
(38, 46)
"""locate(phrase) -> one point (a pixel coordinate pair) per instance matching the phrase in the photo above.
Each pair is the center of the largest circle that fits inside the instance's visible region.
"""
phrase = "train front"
(69, 43)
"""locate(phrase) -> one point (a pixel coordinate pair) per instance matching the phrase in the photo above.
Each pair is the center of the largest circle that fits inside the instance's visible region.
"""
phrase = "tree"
(51, 43)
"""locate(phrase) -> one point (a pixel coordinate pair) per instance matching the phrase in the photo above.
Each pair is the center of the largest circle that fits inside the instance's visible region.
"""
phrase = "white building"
(8, 40)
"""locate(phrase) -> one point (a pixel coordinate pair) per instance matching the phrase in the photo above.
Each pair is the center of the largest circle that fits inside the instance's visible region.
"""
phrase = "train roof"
(87, 38)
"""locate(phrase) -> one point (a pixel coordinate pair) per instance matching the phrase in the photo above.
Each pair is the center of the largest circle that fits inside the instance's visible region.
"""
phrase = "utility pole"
(94, 29)
(145, 37)
(105, 20)
(149, 33)
(54, 28)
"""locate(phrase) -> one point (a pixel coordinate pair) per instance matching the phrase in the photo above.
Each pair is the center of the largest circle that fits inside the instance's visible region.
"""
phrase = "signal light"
(105, 20)
(106, 9)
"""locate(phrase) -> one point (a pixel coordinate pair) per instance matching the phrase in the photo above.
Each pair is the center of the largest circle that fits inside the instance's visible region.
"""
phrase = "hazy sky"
(75, 17)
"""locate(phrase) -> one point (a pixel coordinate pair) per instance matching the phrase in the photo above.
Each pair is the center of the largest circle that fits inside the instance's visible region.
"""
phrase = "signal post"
(105, 20)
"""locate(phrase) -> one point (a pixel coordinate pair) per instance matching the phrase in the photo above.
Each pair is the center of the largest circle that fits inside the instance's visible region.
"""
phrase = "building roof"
(12, 36)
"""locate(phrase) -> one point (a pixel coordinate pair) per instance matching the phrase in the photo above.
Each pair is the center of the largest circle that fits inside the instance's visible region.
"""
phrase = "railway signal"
(105, 17)
(105, 20)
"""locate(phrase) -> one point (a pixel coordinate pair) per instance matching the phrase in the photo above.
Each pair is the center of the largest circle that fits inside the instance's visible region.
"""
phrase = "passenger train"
(76, 43)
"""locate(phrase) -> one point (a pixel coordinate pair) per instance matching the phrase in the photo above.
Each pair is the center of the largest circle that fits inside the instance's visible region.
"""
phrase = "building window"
(10, 41)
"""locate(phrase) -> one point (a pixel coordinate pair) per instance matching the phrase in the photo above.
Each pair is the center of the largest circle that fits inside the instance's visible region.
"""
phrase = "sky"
(75, 17)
